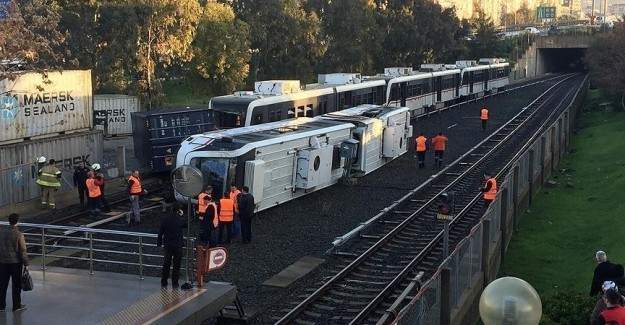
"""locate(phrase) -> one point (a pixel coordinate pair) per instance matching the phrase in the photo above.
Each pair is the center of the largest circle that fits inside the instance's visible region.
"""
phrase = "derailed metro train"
(276, 100)
(284, 160)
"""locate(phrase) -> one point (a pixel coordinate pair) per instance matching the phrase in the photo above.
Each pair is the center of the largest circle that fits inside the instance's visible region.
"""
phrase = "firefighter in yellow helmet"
(49, 180)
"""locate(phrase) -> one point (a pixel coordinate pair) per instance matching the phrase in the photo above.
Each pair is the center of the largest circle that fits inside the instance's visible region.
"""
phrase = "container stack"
(117, 110)
(48, 115)
(158, 134)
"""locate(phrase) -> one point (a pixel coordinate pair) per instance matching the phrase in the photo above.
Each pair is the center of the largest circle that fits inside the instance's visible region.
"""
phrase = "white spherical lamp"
(510, 301)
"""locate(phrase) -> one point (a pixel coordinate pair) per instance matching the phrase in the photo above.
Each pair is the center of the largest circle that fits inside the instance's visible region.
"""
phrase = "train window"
(371, 98)
(257, 119)
(291, 113)
(309, 110)
(300, 111)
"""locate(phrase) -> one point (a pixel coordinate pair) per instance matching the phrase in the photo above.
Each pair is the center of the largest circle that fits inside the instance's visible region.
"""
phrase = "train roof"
(425, 75)
(255, 136)
(365, 113)
(486, 66)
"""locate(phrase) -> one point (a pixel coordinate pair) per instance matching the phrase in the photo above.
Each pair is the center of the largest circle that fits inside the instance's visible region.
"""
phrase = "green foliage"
(606, 60)
(221, 51)
(568, 307)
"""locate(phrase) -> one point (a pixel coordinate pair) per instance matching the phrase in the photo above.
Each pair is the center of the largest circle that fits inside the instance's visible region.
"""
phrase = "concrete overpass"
(553, 54)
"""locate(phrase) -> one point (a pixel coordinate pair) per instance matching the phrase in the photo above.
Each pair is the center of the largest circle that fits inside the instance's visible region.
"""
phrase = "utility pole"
(592, 13)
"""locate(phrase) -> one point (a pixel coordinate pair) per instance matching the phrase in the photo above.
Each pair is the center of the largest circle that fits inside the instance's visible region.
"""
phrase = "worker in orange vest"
(234, 195)
(208, 216)
(226, 218)
(484, 117)
(135, 190)
(94, 193)
(420, 147)
(489, 189)
(439, 143)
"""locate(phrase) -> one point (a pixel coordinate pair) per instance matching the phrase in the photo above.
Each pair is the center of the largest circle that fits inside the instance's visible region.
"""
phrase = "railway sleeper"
(351, 296)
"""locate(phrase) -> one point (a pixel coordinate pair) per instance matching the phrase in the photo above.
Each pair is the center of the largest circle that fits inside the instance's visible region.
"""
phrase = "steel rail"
(437, 239)
(304, 304)
(501, 172)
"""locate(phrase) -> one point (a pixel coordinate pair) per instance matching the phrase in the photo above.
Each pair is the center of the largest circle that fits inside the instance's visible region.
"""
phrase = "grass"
(565, 226)
(180, 93)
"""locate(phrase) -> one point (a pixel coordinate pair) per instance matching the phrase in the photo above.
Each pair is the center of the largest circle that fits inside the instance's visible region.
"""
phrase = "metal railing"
(98, 249)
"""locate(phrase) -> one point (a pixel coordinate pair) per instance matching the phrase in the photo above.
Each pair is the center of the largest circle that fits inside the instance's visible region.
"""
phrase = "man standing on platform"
(13, 256)
(246, 214)
(226, 217)
(234, 196)
(420, 147)
(135, 190)
(171, 238)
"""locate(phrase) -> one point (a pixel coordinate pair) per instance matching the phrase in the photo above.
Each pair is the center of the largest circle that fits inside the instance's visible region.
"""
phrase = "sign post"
(446, 214)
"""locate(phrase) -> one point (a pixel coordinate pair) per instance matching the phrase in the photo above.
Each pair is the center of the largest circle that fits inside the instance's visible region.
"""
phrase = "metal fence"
(98, 249)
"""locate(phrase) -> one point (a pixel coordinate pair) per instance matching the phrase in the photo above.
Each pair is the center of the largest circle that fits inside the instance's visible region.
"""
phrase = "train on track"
(283, 160)
(276, 100)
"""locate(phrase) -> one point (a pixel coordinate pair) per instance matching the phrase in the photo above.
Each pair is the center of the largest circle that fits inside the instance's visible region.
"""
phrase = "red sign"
(217, 258)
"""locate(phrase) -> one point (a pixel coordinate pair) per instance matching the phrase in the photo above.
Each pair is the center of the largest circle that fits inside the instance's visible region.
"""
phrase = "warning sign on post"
(217, 258)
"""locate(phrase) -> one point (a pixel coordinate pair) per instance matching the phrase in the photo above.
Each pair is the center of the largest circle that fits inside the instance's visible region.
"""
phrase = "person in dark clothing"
(605, 271)
(246, 213)
(13, 256)
(209, 223)
(171, 238)
(80, 179)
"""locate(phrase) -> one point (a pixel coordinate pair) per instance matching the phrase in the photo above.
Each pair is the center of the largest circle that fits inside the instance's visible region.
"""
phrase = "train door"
(470, 76)
(403, 93)
(457, 84)
(487, 78)
(439, 89)
(380, 94)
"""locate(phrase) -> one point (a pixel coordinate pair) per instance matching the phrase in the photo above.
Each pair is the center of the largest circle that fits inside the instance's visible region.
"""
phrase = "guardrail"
(130, 252)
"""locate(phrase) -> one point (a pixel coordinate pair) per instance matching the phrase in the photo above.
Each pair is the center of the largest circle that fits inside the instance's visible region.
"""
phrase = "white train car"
(490, 75)
(284, 160)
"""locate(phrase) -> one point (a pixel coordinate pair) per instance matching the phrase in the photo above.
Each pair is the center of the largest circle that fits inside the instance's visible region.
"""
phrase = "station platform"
(70, 296)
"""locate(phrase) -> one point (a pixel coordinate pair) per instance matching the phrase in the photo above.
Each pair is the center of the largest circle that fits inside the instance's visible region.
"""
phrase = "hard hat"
(95, 167)
(41, 159)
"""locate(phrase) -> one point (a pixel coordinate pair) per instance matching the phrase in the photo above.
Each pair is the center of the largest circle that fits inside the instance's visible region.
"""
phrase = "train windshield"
(218, 173)
(229, 113)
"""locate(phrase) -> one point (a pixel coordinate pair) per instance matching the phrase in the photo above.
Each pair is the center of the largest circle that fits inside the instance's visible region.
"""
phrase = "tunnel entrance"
(561, 60)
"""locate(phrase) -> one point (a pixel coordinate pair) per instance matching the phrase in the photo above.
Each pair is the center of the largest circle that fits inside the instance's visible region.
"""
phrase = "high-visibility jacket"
(233, 196)
(484, 114)
(492, 192)
(202, 203)
(439, 142)
(93, 188)
(49, 176)
(213, 206)
(614, 315)
(135, 188)
(226, 211)
(421, 140)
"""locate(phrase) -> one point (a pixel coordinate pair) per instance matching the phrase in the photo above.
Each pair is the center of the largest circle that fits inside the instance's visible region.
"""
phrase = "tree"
(221, 50)
(286, 39)
(165, 31)
(606, 60)
(78, 22)
(486, 43)
(352, 43)
(524, 15)
(29, 36)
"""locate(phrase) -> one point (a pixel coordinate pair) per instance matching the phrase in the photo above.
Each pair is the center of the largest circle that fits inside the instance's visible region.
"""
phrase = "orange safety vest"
(226, 213)
(421, 143)
(484, 114)
(439, 142)
(202, 203)
(233, 197)
(492, 193)
(136, 188)
(94, 190)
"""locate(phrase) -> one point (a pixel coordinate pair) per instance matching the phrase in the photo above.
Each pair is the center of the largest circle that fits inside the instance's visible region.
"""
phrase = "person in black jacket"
(80, 179)
(170, 236)
(246, 213)
(605, 271)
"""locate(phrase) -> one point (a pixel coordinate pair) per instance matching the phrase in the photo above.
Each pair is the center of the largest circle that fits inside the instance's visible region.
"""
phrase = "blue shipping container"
(158, 133)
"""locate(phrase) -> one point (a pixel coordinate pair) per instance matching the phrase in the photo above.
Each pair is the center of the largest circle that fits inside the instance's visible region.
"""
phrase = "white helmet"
(41, 160)
(96, 167)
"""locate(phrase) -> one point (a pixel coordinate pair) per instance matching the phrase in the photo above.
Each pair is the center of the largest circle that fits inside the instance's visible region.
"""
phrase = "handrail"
(83, 229)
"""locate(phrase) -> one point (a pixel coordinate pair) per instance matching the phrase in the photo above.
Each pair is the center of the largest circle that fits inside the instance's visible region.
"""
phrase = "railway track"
(405, 244)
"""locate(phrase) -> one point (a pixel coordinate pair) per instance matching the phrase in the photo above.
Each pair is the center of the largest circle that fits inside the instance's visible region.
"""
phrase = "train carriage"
(284, 160)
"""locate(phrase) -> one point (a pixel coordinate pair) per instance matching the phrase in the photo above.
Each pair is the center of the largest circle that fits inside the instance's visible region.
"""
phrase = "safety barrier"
(97, 249)
(451, 294)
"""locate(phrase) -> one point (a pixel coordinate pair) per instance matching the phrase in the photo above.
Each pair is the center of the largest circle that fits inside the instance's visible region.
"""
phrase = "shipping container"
(18, 170)
(157, 134)
(118, 109)
(34, 105)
